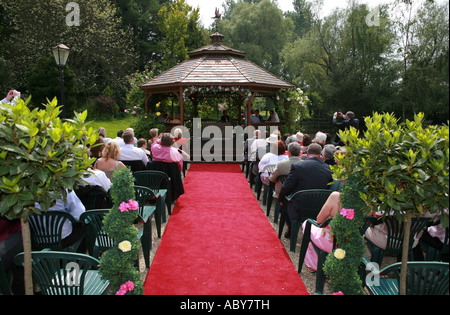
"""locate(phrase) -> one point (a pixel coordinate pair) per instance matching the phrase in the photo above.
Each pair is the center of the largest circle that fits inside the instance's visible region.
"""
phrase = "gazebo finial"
(217, 17)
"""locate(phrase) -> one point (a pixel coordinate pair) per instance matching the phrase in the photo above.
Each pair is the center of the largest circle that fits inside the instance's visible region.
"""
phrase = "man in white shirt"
(75, 207)
(129, 152)
(98, 178)
(119, 138)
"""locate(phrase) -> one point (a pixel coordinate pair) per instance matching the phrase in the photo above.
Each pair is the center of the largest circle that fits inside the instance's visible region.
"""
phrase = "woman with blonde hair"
(109, 162)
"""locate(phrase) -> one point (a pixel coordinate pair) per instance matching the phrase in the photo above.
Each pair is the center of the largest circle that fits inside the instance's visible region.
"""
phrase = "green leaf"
(42, 174)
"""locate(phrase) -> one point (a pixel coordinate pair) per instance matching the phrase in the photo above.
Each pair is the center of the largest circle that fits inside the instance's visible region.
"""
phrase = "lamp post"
(61, 54)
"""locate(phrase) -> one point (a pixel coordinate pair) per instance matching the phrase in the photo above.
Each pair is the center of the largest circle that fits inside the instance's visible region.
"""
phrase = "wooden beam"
(249, 107)
(147, 97)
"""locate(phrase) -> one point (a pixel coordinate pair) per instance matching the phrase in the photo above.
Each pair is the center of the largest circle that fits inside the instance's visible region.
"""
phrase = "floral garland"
(215, 90)
(343, 264)
(126, 287)
(130, 205)
(118, 264)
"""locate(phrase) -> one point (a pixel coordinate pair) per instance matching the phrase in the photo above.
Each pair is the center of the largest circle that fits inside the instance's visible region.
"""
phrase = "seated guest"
(320, 138)
(102, 134)
(153, 136)
(299, 136)
(259, 147)
(321, 237)
(276, 154)
(135, 139)
(435, 237)
(142, 144)
(328, 154)
(131, 153)
(10, 246)
(96, 149)
(71, 233)
(311, 173)
(163, 151)
(284, 167)
(97, 178)
(119, 139)
(109, 162)
(248, 144)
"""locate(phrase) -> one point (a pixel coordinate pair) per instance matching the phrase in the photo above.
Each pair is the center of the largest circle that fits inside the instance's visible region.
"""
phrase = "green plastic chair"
(159, 183)
(395, 230)
(145, 196)
(423, 278)
(434, 254)
(281, 179)
(270, 168)
(46, 230)
(321, 254)
(311, 201)
(64, 273)
(97, 239)
(5, 280)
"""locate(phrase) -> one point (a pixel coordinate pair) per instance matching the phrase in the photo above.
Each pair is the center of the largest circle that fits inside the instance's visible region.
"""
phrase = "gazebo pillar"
(249, 107)
(147, 97)
(179, 95)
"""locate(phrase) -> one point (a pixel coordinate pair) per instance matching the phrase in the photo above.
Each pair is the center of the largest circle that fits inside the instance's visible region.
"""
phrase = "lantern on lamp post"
(61, 54)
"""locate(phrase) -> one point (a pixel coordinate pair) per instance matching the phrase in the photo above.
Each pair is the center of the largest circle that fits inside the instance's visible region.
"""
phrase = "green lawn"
(112, 126)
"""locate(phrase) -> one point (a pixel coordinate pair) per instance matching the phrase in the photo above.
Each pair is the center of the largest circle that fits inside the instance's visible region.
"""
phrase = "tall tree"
(344, 61)
(260, 30)
(423, 49)
(101, 52)
(302, 17)
(139, 18)
(181, 31)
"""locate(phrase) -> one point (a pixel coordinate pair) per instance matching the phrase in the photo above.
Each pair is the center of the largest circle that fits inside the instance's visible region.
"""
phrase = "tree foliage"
(404, 166)
(42, 157)
(101, 51)
(260, 30)
(179, 26)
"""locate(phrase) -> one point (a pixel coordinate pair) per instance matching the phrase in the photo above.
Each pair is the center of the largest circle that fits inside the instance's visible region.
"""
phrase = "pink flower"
(133, 205)
(129, 285)
(121, 292)
(126, 110)
(126, 287)
(123, 207)
(348, 213)
(338, 293)
(130, 205)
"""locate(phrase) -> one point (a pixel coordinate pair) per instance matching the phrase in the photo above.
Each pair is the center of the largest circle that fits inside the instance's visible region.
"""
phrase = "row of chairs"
(49, 255)
(436, 280)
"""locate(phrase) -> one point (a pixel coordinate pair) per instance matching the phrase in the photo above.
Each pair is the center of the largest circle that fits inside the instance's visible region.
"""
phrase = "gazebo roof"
(216, 65)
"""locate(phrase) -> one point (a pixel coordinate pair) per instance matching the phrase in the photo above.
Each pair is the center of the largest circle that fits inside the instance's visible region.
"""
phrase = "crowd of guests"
(306, 161)
(110, 155)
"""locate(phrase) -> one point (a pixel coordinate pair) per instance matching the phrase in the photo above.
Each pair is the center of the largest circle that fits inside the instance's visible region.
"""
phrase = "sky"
(207, 7)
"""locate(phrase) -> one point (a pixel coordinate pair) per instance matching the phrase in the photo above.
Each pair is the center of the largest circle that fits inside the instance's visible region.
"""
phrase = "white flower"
(125, 246)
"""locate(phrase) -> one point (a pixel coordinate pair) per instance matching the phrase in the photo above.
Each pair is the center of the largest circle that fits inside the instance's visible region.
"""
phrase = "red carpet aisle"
(219, 242)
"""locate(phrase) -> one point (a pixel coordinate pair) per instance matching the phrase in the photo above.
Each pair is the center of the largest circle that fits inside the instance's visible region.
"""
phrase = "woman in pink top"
(163, 151)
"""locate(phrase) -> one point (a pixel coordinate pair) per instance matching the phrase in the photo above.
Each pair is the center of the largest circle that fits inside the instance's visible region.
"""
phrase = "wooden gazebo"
(215, 65)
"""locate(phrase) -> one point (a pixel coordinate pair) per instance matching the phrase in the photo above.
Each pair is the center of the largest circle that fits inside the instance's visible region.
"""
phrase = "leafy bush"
(117, 264)
(41, 159)
(343, 263)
